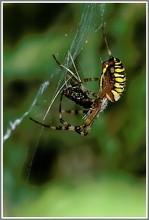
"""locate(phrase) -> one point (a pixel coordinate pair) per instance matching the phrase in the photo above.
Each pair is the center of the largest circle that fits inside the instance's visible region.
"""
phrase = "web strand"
(91, 20)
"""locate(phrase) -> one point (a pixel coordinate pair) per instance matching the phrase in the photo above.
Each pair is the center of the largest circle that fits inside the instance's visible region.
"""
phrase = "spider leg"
(66, 125)
(106, 90)
(75, 79)
(99, 105)
(87, 125)
(76, 112)
(81, 129)
(102, 91)
(89, 80)
(62, 128)
(52, 127)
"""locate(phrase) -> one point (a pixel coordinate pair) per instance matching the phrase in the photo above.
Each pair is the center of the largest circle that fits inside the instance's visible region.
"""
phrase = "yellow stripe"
(118, 85)
(119, 75)
(119, 90)
(116, 95)
(101, 81)
(118, 63)
(119, 70)
(120, 79)
(104, 69)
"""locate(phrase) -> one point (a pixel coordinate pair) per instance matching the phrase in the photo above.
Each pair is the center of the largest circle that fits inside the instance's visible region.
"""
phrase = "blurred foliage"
(61, 173)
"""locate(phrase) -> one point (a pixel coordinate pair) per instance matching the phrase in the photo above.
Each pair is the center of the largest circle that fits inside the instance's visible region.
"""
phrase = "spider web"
(91, 20)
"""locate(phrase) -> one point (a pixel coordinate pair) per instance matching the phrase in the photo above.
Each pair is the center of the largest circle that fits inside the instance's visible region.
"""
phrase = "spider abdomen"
(113, 72)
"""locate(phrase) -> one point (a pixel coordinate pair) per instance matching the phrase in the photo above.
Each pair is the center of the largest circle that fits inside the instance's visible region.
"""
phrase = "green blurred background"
(59, 173)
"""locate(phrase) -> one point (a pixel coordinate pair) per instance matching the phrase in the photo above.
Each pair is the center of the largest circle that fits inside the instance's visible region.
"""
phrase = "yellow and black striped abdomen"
(113, 72)
(119, 78)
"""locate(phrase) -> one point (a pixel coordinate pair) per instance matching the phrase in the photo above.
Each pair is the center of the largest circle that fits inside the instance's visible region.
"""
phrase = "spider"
(111, 86)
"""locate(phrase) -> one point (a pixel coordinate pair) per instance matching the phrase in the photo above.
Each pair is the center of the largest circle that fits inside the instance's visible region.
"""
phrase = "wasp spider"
(111, 86)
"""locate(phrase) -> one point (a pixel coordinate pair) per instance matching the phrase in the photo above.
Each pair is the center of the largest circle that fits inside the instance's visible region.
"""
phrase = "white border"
(2, 2)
